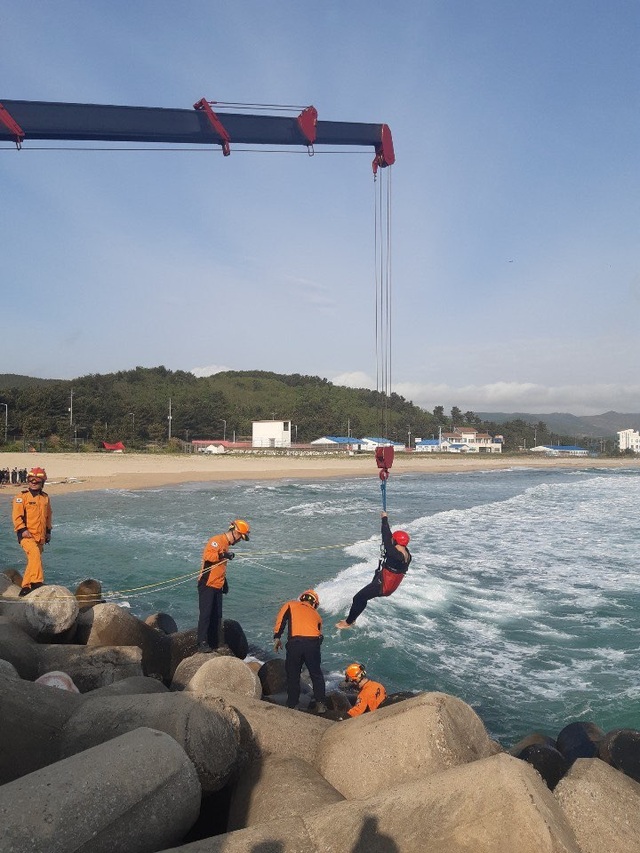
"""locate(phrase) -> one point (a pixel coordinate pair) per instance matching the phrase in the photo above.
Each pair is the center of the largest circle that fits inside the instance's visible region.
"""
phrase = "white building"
(271, 434)
(369, 443)
(337, 441)
(431, 445)
(629, 439)
(560, 450)
(469, 440)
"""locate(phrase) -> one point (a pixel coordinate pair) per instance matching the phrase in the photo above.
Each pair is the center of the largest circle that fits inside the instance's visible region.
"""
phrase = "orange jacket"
(371, 695)
(214, 564)
(304, 620)
(32, 512)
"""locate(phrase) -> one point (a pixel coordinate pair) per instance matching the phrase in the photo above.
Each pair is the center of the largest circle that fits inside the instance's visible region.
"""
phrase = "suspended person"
(303, 646)
(391, 569)
(32, 522)
(371, 693)
(212, 583)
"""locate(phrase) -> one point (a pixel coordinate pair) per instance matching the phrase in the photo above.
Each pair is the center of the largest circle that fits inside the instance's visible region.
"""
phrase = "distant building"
(431, 445)
(629, 439)
(369, 443)
(271, 434)
(560, 450)
(338, 441)
(469, 440)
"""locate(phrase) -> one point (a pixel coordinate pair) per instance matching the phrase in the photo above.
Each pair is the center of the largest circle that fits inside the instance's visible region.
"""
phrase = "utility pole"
(170, 418)
(224, 429)
(71, 409)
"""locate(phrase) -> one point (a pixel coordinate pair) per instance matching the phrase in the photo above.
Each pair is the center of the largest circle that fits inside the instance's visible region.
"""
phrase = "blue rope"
(383, 489)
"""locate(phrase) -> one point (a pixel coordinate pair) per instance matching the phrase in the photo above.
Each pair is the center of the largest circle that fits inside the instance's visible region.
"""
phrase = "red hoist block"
(384, 460)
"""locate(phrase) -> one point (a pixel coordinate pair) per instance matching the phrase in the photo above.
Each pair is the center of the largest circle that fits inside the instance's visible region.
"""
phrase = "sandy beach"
(76, 472)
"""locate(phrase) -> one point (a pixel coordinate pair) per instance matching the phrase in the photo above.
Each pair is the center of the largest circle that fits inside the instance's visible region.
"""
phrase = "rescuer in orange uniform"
(31, 514)
(212, 583)
(371, 693)
(303, 646)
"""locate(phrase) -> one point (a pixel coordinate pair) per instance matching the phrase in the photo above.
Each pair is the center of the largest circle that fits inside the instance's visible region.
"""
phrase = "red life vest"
(390, 581)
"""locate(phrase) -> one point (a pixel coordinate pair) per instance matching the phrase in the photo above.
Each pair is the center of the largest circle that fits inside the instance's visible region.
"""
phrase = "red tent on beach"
(118, 447)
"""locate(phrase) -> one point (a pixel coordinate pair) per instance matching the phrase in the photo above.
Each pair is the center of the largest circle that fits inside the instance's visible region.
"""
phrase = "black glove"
(229, 555)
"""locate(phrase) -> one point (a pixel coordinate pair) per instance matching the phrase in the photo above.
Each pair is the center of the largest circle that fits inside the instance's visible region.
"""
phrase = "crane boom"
(39, 120)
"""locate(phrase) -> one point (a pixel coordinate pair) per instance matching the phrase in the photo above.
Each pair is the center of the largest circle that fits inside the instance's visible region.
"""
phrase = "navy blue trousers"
(303, 651)
(210, 617)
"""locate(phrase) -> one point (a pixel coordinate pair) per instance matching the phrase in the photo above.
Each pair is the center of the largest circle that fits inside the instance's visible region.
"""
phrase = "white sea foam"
(521, 598)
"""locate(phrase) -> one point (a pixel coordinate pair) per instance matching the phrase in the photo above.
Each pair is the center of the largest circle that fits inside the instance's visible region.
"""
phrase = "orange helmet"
(311, 596)
(401, 537)
(241, 527)
(355, 672)
(37, 474)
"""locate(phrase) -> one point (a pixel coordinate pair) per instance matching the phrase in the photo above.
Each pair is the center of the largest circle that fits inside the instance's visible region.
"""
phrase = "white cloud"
(525, 397)
(354, 379)
(210, 370)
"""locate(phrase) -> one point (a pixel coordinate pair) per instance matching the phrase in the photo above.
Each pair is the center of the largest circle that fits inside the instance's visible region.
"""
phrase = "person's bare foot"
(343, 624)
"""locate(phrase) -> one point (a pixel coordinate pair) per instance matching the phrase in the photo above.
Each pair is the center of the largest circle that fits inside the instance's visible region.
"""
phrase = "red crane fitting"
(217, 125)
(8, 121)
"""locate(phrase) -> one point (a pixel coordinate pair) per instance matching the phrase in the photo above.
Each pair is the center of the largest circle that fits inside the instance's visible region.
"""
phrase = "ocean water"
(522, 598)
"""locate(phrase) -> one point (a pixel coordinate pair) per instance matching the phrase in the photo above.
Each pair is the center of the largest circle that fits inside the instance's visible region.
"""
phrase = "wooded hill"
(133, 406)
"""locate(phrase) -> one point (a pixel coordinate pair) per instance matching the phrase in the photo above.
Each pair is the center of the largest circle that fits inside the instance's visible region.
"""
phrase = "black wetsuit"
(393, 560)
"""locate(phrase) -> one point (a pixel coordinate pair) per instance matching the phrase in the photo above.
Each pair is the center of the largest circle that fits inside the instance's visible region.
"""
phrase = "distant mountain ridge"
(563, 423)
(316, 406)
(15, 380)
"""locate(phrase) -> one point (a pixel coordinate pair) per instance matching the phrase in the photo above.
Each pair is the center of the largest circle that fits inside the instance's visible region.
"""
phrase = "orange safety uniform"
(32, 512)
(303, 648)
(214, 561)
(371, 695)
(303, 620)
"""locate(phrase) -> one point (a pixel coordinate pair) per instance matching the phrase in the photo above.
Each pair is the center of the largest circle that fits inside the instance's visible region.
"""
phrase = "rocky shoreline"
(117, 735)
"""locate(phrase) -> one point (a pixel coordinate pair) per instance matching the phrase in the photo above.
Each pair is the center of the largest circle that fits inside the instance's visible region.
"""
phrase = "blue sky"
(516, 198)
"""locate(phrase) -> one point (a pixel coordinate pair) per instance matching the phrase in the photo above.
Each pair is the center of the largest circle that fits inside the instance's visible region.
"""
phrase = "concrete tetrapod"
(45, 614)
(111, 625)
(417, 737)
(273, 788)
(208, 733)
(274, 730)
(602, 806)
(33, 717)
(493, 805)
(131, 687)
(19, 648)
(91, 667)
(139, 792)
(225, 675)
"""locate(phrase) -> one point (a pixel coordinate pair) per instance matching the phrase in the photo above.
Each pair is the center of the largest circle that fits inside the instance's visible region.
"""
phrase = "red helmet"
(37, 474)
(310, 596)
(401, 537)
